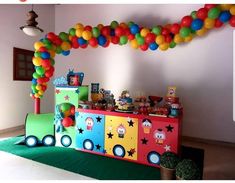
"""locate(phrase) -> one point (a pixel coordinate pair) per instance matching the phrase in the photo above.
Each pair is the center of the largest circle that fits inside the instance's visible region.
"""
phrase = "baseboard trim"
(12, 129)
(208, 141)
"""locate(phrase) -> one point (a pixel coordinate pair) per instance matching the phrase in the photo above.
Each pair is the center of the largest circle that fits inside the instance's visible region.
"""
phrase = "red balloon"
(165, 31)
(232, 21)
(105, 30)
(127, 31)
(72, 110)
(209, 6)
(67, 122)
(40, 80)
(202, 13)
(45, 63)
(106, 44)
(88, 28)
(175, 28)
(186, 21)
(93, 42)
(150, 37)
(119, 31)
(218, 23)
(144, 47)
(48, 74)
(168, 38)
(115, 40)
(131, 37)
(51, 36)
(84, 46)
(57, 41)
(75, 44)
(42, 49)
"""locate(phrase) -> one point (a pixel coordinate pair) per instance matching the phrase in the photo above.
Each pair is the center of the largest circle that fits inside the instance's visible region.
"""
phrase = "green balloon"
(52, 61)
(37, 54)
(72, 32)
(114, 24)
(194, 14)
(157, 30)
(46, 41)
(48, 46)
(137, 35)
(185, 31)
(58, 50)
(65, 107)
(172, 44)
(130, 23)
(213, 13)
(64, 36)
(35, 75)
(95, 32)
(40, 71)
(123, 40)
(140, 40)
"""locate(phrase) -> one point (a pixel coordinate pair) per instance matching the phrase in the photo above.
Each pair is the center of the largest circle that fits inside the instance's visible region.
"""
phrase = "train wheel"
(48, 140)
(153, 158)
(88, 144)
(66, 140)
(119, 151)
(31, 141)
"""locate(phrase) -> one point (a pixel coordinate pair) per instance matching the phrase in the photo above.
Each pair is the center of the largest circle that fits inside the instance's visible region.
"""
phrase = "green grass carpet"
(95, 166)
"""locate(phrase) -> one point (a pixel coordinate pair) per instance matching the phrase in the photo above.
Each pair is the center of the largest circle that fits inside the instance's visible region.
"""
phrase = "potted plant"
(168, 162)
(187, 169)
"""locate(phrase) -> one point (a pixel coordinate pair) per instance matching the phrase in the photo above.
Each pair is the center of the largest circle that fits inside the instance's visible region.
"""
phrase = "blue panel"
(90, 131)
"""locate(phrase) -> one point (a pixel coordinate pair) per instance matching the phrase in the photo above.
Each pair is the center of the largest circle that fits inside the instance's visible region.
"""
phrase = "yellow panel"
(121, 131)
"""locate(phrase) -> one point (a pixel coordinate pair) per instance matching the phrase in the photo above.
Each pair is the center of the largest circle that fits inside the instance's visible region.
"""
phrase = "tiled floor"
(219, 161)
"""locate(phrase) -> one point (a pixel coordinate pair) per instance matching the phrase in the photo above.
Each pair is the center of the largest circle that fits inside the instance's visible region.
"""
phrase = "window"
(22, 64)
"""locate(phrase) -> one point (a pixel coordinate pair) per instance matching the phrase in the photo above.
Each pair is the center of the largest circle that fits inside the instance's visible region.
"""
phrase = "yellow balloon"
(209, 23)
(65, 46)
(37, 61)
(40, 92)
(188, 38)
(160, 39)
(86, 35)
(144, 32)
(78, 26)
(178, 39)
(202, 31)
(134, 44)
(164, 46)
(225, 6)
(38, 45)
(232, 10)
(36, 95)
(38, 87)
(79, 32)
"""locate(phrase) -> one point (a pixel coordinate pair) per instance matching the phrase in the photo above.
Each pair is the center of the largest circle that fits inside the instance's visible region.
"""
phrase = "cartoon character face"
(147, 125)
(121, 131)
(89, 122)
(74, 80)
(160, 136)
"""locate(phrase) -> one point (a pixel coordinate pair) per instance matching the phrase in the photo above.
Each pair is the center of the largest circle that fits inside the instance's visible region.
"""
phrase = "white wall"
(201, 70)
(15, 99)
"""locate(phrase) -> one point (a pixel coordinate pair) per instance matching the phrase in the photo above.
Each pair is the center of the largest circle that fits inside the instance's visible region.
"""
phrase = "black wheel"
(119, 151)
(48, 140)
(88, 144)
(66, 140)
(31, 141)
(153, 158)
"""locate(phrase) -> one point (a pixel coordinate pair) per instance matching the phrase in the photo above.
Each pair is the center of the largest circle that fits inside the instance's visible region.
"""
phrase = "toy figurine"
(124, 102)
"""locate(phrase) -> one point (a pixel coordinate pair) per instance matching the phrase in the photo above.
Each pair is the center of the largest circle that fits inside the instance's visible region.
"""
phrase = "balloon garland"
(158, 37)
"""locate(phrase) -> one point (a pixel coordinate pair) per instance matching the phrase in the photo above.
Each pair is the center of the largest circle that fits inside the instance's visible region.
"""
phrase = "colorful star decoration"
(98, 147)
(98, 119)
(169, 128)
(80, 130)
(57, 91)
(66, 97)
(167, 148)
(144, 141)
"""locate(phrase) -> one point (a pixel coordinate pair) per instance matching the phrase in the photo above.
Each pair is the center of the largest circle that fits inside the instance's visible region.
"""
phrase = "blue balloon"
(101, 40)
(134, 29)
(34, 81)
(224, 16)
(66, 53)
(45, 55)
(82, 41)
(112, 32)
(196, 24)
(153, 46)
